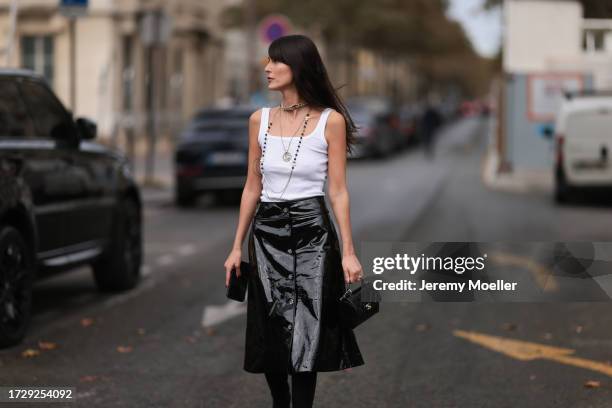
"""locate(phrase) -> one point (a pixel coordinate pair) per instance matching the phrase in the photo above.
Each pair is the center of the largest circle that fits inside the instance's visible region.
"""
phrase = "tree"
(592, 8)
(415, 29)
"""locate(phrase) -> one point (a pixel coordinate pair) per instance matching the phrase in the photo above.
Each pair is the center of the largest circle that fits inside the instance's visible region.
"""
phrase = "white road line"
(165, 260)
(146, 270)
(605, 283)
(217, 314)
(187, 249)
(147, 284)
(57, 319)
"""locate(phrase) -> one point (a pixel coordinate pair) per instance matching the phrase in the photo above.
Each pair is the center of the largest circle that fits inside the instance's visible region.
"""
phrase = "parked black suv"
(64, 200)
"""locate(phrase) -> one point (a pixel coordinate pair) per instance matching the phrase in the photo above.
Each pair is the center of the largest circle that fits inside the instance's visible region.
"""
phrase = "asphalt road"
(176, 341)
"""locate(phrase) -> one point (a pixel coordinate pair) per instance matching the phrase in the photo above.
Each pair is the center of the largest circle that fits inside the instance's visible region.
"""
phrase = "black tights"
(302, 387)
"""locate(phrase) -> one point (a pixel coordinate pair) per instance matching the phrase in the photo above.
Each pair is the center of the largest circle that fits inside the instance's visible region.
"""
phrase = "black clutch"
(358, 305)
(238, 284)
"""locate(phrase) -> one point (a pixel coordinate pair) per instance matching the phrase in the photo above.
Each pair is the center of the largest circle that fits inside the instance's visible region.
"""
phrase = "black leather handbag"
(238, 284)
(358, 305)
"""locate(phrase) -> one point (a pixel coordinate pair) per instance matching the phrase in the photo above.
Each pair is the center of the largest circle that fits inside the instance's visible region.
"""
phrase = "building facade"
(122, 59)
(549, 48)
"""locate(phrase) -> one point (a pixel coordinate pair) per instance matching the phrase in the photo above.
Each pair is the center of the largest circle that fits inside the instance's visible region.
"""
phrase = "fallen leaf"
(46, 345)
(124, 349)
(592, 384)
(86, 321)
(30, 353)
(210, 331)
(509, 326)
(88, 378)
(422, 327)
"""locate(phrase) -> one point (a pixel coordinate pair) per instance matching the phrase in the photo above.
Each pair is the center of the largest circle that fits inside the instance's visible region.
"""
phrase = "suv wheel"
(16, 277)
(119, 268)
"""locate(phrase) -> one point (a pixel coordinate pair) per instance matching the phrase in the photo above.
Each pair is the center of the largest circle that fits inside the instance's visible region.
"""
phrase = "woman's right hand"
(233, 261)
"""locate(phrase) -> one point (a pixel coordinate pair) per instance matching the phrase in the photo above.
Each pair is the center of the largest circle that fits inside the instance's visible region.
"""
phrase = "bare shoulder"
(255, 117)
(335, 129)
(336, 121)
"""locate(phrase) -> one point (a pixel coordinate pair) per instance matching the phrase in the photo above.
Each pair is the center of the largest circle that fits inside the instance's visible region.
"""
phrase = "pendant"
(287, 156)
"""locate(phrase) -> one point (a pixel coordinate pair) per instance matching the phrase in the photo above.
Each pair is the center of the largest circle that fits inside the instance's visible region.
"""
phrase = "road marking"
(165, 260)
(216, 314)
(187, 249)
(146, 270)
(543, 276)
(146, 285)
(527, 351)
(54, 320)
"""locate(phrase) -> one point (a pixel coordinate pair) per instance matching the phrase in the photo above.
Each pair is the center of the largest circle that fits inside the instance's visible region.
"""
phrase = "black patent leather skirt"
(292, 312)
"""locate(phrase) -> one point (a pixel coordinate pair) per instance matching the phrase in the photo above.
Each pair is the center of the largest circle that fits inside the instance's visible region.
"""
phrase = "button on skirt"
(292, 311)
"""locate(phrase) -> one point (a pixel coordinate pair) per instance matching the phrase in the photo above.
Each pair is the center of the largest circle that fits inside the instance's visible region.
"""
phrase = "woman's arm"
(250, 196)
(338, 192)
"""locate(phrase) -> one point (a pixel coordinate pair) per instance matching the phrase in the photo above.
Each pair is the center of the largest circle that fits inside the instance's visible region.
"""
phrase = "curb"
(519, 182)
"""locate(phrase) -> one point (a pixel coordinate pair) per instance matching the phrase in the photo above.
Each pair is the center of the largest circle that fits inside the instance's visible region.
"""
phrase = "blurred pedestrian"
(431, 121)
(294, 251)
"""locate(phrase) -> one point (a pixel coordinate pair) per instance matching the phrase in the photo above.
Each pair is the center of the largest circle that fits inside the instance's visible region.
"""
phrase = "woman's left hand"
(352, 268)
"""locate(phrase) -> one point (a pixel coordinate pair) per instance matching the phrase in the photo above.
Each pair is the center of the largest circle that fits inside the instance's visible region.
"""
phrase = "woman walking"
(298, 270)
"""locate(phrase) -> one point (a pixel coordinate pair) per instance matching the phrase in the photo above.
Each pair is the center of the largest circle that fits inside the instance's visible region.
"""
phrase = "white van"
(583, 143)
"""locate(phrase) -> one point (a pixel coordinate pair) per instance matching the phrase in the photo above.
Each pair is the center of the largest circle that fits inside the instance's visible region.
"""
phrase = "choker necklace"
(293, 107)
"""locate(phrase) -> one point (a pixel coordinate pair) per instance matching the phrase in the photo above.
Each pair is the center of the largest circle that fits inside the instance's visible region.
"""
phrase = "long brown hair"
(310, 77)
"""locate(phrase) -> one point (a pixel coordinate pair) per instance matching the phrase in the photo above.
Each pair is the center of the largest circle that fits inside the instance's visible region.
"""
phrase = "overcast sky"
(483, 28)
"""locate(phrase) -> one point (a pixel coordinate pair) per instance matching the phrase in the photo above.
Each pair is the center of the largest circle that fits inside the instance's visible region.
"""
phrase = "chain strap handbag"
(358, 305)
(237, 287)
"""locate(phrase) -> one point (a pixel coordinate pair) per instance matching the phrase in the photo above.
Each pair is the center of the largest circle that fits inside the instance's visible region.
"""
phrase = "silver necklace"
(286, 155)
(263, 154)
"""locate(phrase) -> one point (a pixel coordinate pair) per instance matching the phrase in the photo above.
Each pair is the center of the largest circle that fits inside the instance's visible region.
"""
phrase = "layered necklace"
(286, 155)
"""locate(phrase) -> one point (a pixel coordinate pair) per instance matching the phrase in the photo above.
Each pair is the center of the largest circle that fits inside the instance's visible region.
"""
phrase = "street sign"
(73, 8)
(273, 27)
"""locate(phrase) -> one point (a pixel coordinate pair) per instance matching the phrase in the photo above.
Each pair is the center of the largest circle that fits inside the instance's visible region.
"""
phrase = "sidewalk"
(517, 181)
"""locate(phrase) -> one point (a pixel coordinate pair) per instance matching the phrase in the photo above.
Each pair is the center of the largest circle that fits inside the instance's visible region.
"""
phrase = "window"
(49, 115)
(37, 55)
(14, 118)
(594, 40)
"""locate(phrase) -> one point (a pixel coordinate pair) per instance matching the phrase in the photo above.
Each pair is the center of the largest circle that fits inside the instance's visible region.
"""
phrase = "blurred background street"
(185, 339)
(480, 121)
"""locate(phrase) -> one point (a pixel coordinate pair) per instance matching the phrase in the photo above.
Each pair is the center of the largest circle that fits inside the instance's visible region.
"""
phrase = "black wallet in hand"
(238, 284)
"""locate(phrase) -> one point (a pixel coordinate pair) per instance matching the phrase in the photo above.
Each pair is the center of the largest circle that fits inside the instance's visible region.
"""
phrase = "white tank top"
(310, 171)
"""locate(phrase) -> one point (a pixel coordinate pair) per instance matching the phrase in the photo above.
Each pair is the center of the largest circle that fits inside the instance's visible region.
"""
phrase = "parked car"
(379, 127)
(65, 201)
(212, 153)
(410, 117)
(582, 144)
